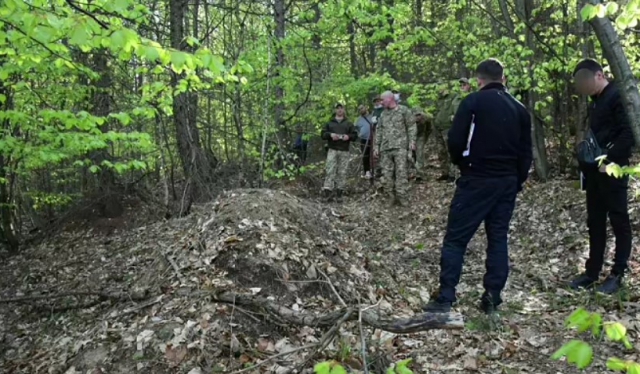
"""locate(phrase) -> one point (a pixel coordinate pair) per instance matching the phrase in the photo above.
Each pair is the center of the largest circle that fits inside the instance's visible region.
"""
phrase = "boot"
(339, 194)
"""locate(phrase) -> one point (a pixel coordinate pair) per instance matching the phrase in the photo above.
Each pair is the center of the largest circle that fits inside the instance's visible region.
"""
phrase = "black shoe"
(437, 306)
(611, 285)
(443, 178)
(583, 281)
(339, 195)
(489, 304)
(488, 307)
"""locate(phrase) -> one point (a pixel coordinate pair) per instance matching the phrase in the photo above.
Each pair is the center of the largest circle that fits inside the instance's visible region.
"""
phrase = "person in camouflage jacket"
(448, 106)
(395, 139)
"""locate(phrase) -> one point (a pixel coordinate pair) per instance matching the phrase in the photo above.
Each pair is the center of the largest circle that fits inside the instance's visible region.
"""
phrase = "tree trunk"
(613, 52)
(541, 162)
(196, 166)
(353, 56)
(279, 10)
(109, 204)
(8, 230)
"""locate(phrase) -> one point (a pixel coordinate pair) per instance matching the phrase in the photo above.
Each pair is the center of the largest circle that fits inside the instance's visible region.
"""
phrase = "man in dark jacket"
(338, 133)
(490, 141)
(606, 195)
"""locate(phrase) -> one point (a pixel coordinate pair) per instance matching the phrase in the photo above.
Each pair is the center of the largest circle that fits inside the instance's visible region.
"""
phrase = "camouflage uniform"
(337, 166)
(444, 118)
(423, 131)
(396, 131)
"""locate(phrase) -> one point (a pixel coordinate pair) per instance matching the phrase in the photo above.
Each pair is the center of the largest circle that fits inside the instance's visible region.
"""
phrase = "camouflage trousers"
(421, 156)
(394, 170)
(337, 167)
(446, 168)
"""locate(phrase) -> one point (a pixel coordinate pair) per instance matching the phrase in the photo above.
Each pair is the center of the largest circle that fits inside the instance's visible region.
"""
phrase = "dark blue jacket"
(491, 135)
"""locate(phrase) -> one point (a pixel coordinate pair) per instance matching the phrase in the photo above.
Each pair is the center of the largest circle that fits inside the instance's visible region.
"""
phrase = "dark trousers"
(491, 200)
(365, 147)
(607, 196)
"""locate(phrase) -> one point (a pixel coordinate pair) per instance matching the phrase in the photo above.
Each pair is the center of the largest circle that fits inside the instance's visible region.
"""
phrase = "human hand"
(376, 153)
(603, 168)
(334, 136)
(412, 146)
(345, 138)
(451, 119)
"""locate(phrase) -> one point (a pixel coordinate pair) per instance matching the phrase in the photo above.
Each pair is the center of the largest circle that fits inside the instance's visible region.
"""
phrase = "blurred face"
(588, 82)
(340, 111)
(465, 87)
(419, 118)
(388, 101)
(378, 103)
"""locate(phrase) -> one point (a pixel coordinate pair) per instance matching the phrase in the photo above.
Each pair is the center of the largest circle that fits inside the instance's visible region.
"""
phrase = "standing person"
(378, 108)
(300, 147)
(364, 125)
(490, 141)
(395, 138)
(423, 131)
(338, 133)
(606, 195)
(448, 107)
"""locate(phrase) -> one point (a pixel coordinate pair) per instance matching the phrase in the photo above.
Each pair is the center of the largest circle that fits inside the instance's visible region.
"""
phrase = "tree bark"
(279, 18)
(196, 166)
(614, 53)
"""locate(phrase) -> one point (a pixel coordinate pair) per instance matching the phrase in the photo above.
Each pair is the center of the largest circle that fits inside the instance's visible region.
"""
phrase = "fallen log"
(370, 317)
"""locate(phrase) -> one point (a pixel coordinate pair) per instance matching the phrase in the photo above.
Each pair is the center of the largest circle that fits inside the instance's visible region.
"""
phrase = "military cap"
(463, 80)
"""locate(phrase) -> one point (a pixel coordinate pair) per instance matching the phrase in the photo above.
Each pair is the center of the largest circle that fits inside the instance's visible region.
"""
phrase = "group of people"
(489, 140)
(393, 142)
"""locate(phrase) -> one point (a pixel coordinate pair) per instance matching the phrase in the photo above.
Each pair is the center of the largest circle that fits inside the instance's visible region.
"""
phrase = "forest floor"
(155, 298)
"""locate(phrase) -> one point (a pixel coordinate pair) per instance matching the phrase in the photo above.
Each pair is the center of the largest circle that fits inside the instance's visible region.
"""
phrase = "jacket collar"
(493, 86)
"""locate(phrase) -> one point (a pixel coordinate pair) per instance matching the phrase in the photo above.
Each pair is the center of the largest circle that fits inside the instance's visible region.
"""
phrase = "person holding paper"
(490, 142)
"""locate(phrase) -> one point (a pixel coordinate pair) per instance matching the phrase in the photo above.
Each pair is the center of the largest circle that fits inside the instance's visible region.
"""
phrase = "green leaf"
(338, 369)
(322, 368)
(615, 331)
(612, 8)
(633, 368)
(390, 370)
(616, 364)
(588, 12)
(601, 11)
(581, 355)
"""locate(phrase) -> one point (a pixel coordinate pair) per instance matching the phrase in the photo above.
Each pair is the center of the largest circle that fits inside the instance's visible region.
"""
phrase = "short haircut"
(588, 64)
(386, 94)
(490, 69)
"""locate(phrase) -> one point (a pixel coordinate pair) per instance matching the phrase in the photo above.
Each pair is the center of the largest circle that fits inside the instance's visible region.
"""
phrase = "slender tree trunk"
(8, 231)
(196, 166)
(279, 19)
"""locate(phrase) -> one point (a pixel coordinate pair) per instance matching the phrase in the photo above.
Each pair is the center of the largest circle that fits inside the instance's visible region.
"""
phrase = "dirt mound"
(142, 298)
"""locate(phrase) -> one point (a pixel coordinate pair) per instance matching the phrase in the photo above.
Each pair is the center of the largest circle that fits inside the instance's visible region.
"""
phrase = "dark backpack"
(589, 150)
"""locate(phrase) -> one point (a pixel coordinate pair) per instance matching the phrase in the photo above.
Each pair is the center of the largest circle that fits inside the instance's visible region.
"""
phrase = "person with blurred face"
(338, 133)
(606, 195)
(395, 139)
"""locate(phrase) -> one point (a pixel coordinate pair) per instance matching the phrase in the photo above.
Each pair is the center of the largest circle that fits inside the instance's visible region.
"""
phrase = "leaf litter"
(309, 257)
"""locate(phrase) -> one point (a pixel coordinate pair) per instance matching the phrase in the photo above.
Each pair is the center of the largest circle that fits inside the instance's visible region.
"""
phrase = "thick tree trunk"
(613, 52)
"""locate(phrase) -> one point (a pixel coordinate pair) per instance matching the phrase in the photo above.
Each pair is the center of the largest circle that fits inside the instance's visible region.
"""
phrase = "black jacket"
(344, 127)
(610, 124)
(499, 142)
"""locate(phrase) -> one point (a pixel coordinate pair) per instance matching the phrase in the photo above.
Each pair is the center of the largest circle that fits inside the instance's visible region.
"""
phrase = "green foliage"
(580, 353)
(400, 367)
(329, 367)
